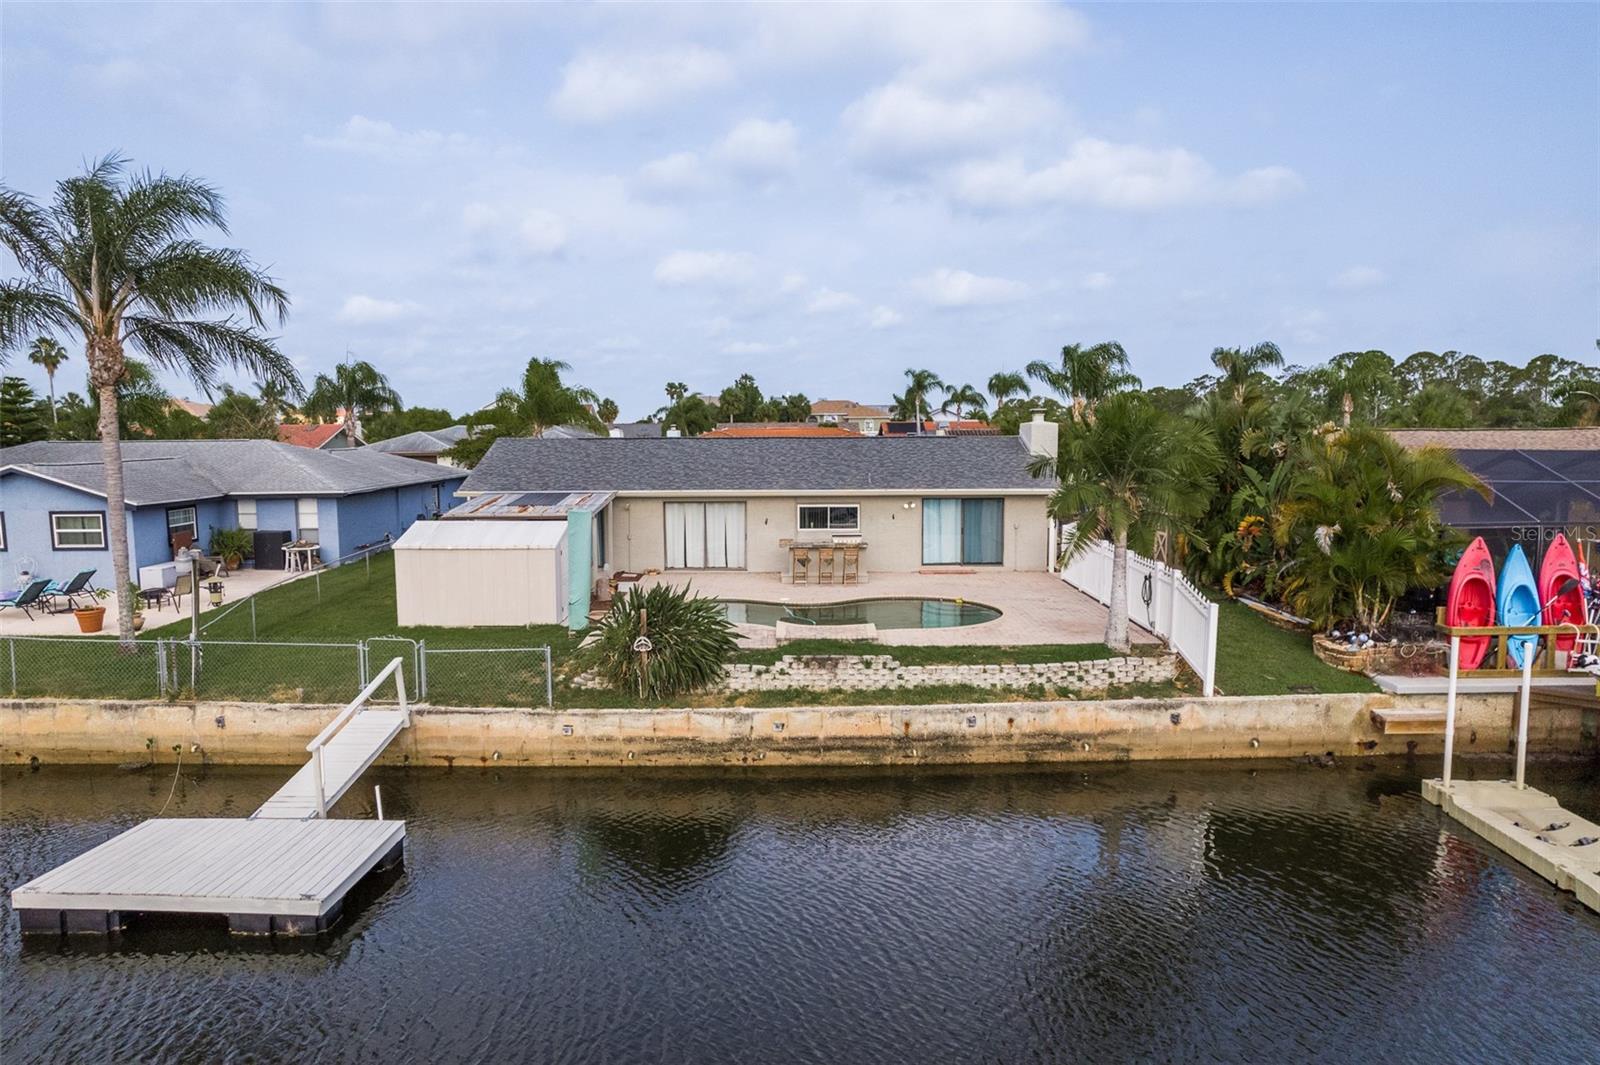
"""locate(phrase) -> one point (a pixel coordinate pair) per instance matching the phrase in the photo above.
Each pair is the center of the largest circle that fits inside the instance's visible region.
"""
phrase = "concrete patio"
(239, 585)
(1035, 608)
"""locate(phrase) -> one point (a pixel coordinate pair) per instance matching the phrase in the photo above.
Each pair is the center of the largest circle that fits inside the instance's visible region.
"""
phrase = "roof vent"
(616, 432)
(673, 430)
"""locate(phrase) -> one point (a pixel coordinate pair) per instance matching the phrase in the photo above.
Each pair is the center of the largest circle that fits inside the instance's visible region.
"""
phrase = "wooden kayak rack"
(1544, 664)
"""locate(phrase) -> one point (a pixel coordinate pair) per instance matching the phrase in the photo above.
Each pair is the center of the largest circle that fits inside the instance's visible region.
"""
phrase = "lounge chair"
(27, 597)
(77, 586)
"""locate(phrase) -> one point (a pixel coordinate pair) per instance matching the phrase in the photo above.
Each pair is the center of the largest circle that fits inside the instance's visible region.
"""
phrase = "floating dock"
(284, 870)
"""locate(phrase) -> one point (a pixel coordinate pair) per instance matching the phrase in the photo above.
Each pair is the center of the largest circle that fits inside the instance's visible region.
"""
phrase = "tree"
(963, 401)
(913, 404)
(676, 390)
(607, 410)
(1130, 473)
(692, 415)
(241, 416)
(391, 424)
(21, 421)
(275, 399)
(741, 401)
(357, 388)
(543, 402)
(1244, 369)
(48, 353)
(113, 259)
(1006, 386)
(1085, 375)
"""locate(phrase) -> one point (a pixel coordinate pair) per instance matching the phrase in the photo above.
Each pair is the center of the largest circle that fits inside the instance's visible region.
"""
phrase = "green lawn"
(1255, 657)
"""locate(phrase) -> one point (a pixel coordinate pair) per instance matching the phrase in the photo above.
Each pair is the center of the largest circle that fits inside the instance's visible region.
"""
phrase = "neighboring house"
(199, 410)
(634, 430)
(779, 429)
(53, 508)
(319, 436)
(698, 503)
(864, 419)
(427, 445)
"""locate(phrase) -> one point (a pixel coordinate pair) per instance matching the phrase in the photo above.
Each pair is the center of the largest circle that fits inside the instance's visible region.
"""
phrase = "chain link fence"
(271, 672)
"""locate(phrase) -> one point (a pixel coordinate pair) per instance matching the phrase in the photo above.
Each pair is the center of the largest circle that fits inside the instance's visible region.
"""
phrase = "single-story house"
(319, 436)
(53, 507)
(424, 445)
(693, 503)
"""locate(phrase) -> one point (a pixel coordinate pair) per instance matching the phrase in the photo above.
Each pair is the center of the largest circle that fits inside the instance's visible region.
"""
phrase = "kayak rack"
(1545, 650)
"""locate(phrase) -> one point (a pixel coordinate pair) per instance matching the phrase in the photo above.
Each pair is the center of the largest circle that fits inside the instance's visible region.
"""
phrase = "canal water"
(1262, 912)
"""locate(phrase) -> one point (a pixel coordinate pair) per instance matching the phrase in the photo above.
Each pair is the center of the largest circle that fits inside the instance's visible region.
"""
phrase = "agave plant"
(663, 641)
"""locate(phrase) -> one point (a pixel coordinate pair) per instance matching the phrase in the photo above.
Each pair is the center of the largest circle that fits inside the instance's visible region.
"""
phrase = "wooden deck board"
(217, 865)
(356, 746)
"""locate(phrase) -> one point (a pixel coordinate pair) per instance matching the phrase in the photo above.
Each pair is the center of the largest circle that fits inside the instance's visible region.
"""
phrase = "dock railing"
(1160, 600)
(396, 669)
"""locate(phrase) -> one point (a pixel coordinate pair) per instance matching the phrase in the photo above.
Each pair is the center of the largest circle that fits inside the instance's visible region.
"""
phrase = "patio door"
(182, 528)
(705, 535)
(968, 532)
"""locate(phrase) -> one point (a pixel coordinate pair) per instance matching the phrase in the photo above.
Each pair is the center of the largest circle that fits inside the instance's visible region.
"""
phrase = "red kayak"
(1560, 565)
(1471, 601)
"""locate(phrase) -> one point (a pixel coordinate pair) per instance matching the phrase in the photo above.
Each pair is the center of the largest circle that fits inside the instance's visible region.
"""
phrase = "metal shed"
(463, 573)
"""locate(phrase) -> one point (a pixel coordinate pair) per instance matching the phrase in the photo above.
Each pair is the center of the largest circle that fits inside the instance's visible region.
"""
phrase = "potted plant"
(138, 606)
(233, 546)
(93, 618)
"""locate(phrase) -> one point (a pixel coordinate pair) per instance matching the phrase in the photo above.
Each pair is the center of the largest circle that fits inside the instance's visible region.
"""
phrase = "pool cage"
(1537, 494)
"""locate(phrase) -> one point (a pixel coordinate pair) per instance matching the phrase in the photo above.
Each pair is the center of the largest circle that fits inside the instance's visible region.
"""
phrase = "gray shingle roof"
(689, 464)
(422, 442)
(176, 471)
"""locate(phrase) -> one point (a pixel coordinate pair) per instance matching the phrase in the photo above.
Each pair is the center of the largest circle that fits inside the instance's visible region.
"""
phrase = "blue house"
(53, 499)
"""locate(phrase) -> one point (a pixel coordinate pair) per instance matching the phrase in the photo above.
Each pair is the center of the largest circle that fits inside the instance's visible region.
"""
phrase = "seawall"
(87, 731)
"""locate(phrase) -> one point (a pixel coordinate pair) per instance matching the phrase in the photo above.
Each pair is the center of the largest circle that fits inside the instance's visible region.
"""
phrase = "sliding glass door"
(967, 532)
(705, 535)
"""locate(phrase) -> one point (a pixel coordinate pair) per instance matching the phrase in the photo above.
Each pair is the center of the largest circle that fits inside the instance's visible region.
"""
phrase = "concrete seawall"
(82, 731)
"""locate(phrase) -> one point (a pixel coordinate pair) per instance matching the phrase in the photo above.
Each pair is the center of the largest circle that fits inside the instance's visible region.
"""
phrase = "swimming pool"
(884, 613)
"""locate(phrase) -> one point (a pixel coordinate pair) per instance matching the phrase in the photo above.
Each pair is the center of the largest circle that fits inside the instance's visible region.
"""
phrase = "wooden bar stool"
(850, 570)
(825, 565)
(799, 564)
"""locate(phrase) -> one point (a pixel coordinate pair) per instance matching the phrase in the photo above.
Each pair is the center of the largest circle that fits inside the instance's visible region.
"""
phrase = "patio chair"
(69, 591)
(27, 597)
(182, 585)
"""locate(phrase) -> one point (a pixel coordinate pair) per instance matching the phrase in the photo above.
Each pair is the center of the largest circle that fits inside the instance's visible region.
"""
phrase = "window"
(79, 531)
(305, 511)
(705, 535)
(600, 558)
(830, 517)
(247, 514)
(2, 530)
(182, 528)
(963, 531)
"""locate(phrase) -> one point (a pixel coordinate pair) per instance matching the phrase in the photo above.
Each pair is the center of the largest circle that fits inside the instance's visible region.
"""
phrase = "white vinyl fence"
(1160, 599)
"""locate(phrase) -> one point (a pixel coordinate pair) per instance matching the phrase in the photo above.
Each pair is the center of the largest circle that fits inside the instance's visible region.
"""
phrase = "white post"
(1053, 540)
(1450, 708)
(377, 795)
(1522, 725)
(400, 687)
(316, 774)
(1212, 612)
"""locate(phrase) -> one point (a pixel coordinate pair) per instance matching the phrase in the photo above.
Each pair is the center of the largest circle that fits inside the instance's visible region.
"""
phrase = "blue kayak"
(1517, 603)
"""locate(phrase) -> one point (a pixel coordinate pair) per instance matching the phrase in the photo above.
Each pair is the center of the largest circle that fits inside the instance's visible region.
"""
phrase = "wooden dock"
(284, 870)
(1531, 827)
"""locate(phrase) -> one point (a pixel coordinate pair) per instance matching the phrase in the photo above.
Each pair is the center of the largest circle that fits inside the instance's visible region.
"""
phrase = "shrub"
(228, 542)
(690, 642)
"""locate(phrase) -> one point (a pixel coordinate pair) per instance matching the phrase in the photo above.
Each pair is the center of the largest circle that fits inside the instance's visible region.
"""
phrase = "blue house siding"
(366, 518)
(27, 503)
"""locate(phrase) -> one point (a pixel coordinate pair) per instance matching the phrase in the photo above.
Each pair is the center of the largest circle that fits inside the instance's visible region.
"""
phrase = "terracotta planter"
(234, 561)
(91, 619)
(138, 622)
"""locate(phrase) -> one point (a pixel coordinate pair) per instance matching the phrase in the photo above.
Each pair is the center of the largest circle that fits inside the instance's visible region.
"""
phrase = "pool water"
(884, 613)
(1264, 912)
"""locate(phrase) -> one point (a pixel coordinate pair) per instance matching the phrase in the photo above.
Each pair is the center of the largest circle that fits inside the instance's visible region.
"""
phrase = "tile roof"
(848, 408)
(768, 429)
(177, 471)
(805, 464)
(1573, 439)
(421, 442)
(312, 435)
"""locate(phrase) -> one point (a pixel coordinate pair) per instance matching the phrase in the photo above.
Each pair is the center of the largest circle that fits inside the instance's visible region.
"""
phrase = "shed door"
(705, 535)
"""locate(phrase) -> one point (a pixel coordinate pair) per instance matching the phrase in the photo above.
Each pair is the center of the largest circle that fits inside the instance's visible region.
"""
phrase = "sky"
(824, 196)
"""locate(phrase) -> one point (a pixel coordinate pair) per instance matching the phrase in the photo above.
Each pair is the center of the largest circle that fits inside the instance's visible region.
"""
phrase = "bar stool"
(799, 564)
(825, 564)
(850, 570)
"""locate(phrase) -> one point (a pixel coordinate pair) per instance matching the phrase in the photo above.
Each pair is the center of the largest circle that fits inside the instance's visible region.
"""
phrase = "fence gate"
(384, 648)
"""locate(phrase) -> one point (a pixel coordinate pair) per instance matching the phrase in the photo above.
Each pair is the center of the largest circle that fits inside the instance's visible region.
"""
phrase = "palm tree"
(1243, 368)
(1007, 385)
(274, 399)
(112, 258)
(543, 402)
(963, 400)
(912, 404)
(48, 352)
(607, 410)
(1085, 375)
(676, 390)
(1128, 474)
(355, 388)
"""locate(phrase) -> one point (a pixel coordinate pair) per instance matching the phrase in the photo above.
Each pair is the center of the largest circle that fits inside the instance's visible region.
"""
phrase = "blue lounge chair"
(27, 597)
(68, 591)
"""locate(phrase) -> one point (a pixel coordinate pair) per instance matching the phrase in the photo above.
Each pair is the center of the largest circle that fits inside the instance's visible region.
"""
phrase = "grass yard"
(1255, 657)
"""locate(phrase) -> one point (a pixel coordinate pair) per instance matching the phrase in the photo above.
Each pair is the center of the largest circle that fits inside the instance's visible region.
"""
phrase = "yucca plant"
(663, 641)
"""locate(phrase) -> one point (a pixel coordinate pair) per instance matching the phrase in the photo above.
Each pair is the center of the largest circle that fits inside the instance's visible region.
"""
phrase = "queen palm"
(1132, 472)
(356, 388)
(543, 402)
(112, 258)
(963, 400)
(912, 404)
(1243, 369)
(1085, 375)
(1006, 386)
(48, 353)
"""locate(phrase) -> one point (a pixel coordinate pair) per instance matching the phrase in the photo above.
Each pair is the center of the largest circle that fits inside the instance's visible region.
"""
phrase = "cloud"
(884, 317)
(1100, 173)
(675, 174)
(960, 288)
(749, 347)
(792, 283)
(368, 310)
(529, 231)
(827, 301)
(1358, 277)
(722, 268)
(599, 85)
(377, 137)
(904, 125)
(757, 148)
(1097, 281)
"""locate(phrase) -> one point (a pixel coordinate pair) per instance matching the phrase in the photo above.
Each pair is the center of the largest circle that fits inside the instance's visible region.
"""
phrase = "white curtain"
(941, 531)
(725, 535)
(694, 535)
(675, 540)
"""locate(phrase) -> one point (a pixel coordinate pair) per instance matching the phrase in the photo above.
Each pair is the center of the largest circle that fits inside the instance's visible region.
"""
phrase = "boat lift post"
(1450, 708)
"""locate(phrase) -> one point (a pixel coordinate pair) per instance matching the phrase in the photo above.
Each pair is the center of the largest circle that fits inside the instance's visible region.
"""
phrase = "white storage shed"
(464, 573)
